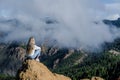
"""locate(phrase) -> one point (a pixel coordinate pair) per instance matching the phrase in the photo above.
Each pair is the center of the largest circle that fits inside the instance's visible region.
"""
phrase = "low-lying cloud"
(70, 22)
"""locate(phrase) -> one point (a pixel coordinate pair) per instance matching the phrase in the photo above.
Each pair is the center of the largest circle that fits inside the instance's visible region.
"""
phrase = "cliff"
(33, 70)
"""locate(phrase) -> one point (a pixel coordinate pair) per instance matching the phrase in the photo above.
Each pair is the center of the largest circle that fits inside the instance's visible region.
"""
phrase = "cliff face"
(11, 58)
(33, 70)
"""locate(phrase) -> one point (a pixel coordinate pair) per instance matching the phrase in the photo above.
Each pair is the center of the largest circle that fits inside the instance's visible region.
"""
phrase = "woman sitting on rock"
(33, 51)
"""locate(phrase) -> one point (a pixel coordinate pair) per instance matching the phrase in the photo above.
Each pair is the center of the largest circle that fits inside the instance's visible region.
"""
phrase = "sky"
(72, 21)
(112, 7)
(108, 1)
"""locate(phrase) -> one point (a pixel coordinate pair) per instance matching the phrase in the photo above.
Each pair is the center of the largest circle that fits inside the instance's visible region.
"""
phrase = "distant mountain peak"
(113, 22)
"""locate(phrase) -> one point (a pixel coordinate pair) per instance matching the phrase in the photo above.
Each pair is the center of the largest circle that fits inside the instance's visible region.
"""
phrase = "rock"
(55, 63)
(20, 53)
(11, 58)
(97, 78)
(34, 70)
(70, 52)
(94, 78)
(85, 79)
(114, 52)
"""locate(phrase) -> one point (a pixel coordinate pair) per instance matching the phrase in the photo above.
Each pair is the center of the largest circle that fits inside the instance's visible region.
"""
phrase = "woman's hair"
(30, 45)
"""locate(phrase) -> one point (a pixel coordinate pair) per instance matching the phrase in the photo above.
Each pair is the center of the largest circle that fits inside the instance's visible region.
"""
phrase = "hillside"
(105, 65)
(11, 58)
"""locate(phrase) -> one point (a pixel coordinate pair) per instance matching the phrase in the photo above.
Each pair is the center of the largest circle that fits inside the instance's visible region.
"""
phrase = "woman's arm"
(37, 47)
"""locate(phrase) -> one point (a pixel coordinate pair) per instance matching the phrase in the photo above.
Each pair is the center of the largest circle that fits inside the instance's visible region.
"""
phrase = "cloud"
(113, 16)
(69, 22)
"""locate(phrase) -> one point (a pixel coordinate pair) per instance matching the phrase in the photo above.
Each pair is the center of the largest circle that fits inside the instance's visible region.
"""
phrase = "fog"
(71, 23)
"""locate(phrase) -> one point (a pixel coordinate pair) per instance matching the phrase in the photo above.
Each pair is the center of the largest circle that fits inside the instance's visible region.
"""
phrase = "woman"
(33, 51)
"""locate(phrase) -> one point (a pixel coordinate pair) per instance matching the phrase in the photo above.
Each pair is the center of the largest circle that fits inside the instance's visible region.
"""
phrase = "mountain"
(113, 22)
(11, 58)
(116, 43)
(75, 63)
(34, 70)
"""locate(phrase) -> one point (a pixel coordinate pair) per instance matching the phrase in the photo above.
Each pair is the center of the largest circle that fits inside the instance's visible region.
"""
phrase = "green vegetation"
(113, 45)
(4, 77)
(105, 65)
(70, 61)
(49, 60)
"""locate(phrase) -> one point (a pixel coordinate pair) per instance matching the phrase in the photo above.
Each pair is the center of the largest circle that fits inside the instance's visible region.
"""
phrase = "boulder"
(34, 70)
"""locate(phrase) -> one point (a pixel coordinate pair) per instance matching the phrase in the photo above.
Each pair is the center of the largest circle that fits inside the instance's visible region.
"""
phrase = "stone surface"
(34, 70)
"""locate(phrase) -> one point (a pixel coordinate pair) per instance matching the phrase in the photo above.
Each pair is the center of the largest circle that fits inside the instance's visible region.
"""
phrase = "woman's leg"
(36, 54)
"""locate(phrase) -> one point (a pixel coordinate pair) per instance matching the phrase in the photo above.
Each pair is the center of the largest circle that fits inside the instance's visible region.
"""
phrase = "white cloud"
(74, 24)
(113, 17)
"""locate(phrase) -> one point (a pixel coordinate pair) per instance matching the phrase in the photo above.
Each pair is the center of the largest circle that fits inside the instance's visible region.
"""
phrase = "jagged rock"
(80, 60)
(55, 63)
(11, 58)
(70, 52)
(94, 78)
(33, 70)
(53, 51)
(21, 53)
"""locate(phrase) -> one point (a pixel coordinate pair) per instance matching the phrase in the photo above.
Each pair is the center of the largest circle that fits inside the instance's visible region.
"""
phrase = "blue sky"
(111, 6)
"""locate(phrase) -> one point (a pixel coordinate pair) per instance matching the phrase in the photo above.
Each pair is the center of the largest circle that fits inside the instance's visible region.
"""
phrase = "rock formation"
(97, 78)
(33, 70)
(11, 58)
(94, 78)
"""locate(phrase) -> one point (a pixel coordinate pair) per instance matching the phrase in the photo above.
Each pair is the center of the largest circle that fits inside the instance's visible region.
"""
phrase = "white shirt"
(33, 51)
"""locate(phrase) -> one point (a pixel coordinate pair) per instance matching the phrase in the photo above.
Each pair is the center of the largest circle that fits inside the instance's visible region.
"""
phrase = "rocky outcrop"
(70, 52)
(97, 78)
(114, 52)
(11, 58)
(33, 70)
(94, 78)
